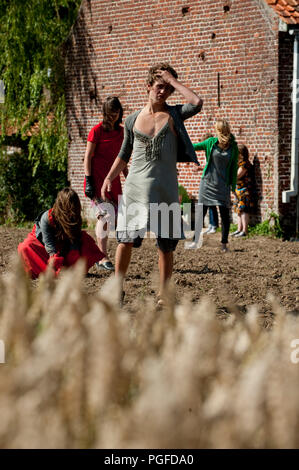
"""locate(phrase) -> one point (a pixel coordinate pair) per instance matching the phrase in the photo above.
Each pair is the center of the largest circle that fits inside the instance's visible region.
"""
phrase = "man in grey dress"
(156, 138)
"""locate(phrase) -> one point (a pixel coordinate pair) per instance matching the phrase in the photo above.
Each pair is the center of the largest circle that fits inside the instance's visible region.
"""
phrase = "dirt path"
(245, 275)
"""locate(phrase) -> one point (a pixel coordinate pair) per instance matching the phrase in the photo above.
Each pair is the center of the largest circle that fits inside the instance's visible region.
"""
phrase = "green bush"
(22, 195)
(32, 35)
(269, 227)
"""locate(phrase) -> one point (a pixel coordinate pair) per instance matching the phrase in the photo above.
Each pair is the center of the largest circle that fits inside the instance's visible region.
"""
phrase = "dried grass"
(81, 373)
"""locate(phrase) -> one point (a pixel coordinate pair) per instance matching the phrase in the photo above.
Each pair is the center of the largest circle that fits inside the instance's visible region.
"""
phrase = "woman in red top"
(103, 145)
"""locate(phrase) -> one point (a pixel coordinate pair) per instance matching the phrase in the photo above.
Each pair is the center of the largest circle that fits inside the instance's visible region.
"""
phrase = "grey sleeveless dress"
(213, 190)
(152, 180)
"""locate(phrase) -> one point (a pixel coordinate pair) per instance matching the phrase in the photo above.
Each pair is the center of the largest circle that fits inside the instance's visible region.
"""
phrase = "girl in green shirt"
(219, 174)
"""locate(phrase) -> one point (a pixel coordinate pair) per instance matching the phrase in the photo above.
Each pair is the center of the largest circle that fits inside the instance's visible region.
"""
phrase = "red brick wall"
(114, 42)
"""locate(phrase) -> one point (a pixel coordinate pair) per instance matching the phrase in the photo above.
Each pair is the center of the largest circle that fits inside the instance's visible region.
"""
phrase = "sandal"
(241, 234)
(107, 265)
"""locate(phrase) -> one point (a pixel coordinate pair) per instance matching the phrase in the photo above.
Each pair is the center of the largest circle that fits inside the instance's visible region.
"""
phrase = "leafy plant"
(32, 69)
(24, 192)
(269, 227)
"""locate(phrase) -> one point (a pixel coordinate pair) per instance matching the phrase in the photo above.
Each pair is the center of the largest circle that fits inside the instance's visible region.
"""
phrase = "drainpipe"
(293, 191)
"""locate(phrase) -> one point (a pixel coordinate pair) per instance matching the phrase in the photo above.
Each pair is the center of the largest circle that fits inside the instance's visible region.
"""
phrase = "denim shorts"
(166, 245)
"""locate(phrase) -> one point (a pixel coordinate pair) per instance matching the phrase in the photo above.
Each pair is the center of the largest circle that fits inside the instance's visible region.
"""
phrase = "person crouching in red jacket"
(57, 239)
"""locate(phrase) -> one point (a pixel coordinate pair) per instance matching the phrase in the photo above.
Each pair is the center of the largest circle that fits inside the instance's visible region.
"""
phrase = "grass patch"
(11, 223)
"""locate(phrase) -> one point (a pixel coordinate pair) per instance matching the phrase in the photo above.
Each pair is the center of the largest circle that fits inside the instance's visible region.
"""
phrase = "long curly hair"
(110, 106)
(67, 215)
(222, 128)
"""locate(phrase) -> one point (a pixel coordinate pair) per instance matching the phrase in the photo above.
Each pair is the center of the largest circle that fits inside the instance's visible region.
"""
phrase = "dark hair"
(67, 215)
(153, 74)
(243, 150)
(111, 105)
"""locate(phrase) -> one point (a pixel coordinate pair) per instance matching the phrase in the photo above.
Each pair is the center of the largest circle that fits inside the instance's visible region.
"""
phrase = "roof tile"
(279, 7)
(286, 9)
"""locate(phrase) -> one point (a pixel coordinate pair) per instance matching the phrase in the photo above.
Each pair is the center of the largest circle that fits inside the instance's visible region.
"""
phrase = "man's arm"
(125, 172)
(188, 94)
(118, 166)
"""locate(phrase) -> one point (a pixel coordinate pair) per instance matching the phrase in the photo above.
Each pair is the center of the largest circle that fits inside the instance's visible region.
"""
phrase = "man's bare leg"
(122, 260)
(165, 269)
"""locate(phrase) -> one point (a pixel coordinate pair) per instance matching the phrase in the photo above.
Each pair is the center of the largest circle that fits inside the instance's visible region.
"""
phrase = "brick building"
(237, 54)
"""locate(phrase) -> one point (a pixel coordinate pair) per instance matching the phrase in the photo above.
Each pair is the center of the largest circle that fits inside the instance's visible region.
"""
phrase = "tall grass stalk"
(82, 373)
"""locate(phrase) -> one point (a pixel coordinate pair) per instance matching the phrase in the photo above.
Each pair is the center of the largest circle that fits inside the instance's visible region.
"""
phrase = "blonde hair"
(223, 132)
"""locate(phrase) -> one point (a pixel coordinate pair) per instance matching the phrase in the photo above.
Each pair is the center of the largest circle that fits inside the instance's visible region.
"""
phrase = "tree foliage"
(31, 67)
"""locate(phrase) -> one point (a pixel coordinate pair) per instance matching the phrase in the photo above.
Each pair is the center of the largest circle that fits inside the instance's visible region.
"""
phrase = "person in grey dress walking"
(156, 138)
(219, 175)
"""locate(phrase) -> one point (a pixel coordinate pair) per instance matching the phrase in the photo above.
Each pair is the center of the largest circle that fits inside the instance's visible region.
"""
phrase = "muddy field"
(251, 270)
